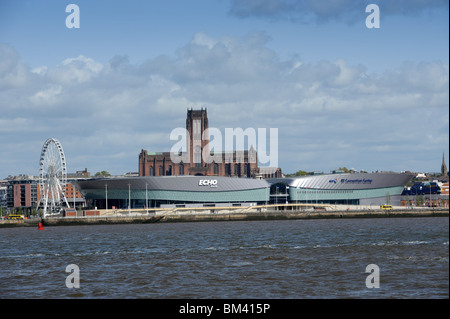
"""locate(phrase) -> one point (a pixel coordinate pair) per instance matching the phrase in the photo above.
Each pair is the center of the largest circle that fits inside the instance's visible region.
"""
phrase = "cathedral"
(227, 163)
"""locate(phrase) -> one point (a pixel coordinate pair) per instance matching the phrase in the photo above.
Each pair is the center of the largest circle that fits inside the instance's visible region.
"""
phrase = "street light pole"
(106, 196)
(276, 197)
(146, 199)
(287, 194)
(430, 201)
(129, 199)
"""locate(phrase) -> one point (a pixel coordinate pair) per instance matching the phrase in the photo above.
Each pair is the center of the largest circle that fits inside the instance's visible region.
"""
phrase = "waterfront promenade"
(265, 212)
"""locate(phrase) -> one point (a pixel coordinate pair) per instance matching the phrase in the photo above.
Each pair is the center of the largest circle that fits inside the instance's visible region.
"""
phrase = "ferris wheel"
(52, 177)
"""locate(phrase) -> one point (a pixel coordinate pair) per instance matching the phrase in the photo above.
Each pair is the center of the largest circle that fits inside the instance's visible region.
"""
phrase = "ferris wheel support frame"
(52, 176)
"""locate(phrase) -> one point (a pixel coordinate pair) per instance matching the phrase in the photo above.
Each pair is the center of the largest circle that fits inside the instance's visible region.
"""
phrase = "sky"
(340, 94)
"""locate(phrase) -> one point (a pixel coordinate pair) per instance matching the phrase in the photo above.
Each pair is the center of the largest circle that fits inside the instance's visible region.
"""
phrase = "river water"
(257, 259)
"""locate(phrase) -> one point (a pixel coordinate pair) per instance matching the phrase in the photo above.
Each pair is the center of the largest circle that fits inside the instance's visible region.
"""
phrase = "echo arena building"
(185, 191)
(171, 191)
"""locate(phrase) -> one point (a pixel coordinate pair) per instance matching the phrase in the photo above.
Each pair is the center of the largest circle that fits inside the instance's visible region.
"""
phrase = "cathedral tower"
(198, 140)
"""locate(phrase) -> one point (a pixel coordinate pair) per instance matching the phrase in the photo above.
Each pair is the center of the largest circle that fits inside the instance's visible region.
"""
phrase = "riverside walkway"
(261, 212)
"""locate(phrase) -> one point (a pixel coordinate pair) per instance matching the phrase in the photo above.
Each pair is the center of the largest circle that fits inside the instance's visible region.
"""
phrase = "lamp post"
(287, 194)
(267, 195)
(146, 199)
(276, 197)
(129, 199)
(106, 197)
(430, 201)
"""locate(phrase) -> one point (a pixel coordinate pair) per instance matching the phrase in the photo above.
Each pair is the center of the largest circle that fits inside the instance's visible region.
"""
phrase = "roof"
(174, 183)
(347, 181)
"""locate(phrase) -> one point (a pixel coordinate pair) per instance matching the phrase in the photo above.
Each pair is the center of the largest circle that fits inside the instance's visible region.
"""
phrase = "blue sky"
(339, 93)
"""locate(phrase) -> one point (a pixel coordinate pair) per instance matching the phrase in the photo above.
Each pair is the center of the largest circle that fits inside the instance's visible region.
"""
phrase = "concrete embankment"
(286, 215)
(230, 216)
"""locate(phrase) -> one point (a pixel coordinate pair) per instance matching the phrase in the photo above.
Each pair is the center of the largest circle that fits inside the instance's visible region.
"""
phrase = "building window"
(216, 169)
(197, 130)
(198, 156)
(161, 171)
(151, 171)
(181, 169)
(169, 171)
(198, 160)
(237, 171)
(227, 169)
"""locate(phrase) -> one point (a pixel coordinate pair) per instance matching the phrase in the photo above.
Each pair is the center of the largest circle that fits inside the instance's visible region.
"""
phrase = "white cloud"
(75, 70)
(41, 70)
(48, 96)
(323, 11)
(12, 72)
(326, 112)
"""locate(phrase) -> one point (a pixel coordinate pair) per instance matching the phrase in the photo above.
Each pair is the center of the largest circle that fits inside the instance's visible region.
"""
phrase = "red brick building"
(444, 189)
(196, 160)
(24, 193)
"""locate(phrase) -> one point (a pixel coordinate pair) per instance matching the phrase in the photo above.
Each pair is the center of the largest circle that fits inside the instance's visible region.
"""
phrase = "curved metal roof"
(347, 181)
(174, 183)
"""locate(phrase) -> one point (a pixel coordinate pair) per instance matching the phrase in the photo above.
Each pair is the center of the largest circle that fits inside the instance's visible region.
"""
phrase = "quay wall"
(205, 216)
(283, 215)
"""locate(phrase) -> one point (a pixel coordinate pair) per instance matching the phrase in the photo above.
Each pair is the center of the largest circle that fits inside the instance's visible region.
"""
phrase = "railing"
(212, 210)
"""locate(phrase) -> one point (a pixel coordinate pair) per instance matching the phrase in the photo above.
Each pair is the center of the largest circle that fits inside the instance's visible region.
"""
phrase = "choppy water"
(257, 259)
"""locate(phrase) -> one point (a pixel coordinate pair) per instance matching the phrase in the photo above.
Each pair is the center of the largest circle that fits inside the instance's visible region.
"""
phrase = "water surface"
(254, 259)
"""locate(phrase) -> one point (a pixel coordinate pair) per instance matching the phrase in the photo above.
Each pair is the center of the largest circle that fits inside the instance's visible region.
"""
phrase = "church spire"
(443, 166)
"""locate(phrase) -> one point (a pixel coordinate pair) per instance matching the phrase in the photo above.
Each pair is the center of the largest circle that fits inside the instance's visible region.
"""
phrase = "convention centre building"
(188, 190)
(347, 189)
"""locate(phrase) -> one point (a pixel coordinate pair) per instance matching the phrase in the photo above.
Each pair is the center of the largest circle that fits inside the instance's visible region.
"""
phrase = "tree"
(301, 173)
(419, 201)
(298, 173)
(102, 173)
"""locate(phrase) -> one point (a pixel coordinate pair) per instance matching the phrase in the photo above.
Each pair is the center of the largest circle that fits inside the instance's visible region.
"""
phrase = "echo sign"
(208, 182)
